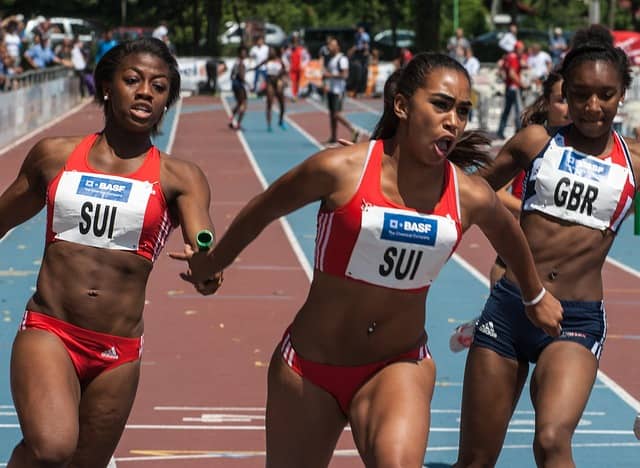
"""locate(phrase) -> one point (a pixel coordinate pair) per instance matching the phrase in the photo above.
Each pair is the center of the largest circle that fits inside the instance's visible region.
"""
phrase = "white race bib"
(401, 249)
(98, 210)
(576, 187)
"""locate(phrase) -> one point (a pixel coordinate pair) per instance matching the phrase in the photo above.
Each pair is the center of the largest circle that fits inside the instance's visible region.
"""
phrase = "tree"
(214, 15)
(427, 24)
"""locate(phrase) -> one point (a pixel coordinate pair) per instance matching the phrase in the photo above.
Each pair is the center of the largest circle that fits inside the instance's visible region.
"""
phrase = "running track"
(202, 392)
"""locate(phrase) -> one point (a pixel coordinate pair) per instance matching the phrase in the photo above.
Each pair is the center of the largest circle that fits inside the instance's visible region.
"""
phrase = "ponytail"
(388, 123)
(472, 150)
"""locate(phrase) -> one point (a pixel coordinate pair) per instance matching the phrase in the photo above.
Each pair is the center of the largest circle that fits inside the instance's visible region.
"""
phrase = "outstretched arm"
(25, 197)
(191, 197)
(515, 155)
(310, 181)
(483, 208)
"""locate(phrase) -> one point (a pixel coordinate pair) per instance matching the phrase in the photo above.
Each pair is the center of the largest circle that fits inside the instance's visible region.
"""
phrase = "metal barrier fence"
(32, 77)
(39, 97)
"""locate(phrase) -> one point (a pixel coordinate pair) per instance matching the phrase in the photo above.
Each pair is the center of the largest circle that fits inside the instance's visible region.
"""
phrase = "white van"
(61, 28)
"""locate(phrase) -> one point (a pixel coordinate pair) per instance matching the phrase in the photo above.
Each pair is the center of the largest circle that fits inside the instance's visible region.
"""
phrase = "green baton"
(204, 240)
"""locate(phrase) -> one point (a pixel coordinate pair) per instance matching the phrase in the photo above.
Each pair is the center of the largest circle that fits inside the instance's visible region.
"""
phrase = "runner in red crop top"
(391, 214)
(110, 199)
(377, 241)
(90, 207)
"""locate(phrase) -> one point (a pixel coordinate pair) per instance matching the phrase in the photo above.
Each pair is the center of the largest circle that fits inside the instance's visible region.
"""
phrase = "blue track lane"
(604, 435)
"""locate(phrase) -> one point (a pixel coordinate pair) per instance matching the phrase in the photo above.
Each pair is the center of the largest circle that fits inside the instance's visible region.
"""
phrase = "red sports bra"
(376, 241)
(108, 211)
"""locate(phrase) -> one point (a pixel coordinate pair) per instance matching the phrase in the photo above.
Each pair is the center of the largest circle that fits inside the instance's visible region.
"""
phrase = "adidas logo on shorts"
(110, 353)
(487, 329)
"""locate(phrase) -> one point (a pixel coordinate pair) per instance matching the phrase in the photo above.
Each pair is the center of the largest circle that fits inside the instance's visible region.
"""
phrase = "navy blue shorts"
(504, 327)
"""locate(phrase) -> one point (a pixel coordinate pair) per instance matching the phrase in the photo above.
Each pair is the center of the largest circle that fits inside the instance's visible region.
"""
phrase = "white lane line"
(363, 106)
(339, 453)
(477, 274)
(174, 127)
(632, 271)
(297, 249)
(263, 409)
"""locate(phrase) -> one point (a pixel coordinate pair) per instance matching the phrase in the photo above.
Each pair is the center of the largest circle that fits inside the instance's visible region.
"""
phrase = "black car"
(486, 49)
(314, 38)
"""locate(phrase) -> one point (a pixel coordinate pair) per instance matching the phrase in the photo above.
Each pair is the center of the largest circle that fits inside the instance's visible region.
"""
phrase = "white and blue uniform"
(573, 187)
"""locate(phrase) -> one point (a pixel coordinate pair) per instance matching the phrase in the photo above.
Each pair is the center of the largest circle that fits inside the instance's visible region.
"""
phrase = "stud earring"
(165, 108)
(106, 97)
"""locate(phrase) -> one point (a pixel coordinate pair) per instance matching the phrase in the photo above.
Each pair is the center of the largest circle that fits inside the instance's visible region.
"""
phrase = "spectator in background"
(539, 63)
(63, 52)
(106, 43)
(405, 56)
(508, 41)
(471, 63)
(4, 71)
(360, 59)
(79, 61)
(511, 72)
(298, 57)
(336, 73)
(8, 69)
(43, 29)
(558, 45)
(12, 40)
(40, 55)
(259, 53)
(456, 45)
(172, 48)
(324, 54)
(161, 31)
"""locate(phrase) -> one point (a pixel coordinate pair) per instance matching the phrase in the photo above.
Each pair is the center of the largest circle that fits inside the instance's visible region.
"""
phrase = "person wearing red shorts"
(112, 199)
(392, 211)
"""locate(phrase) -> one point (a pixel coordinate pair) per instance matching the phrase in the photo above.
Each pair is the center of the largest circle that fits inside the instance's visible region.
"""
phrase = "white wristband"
(536, 299)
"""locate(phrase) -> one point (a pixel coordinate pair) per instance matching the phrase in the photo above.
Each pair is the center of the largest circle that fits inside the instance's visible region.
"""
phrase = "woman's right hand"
(546, 314)
(199, 271)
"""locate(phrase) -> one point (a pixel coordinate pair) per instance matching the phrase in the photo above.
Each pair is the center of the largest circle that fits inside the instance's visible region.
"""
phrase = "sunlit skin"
(432, 118)
(593, 96)
(558, 114)
(140, 89)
